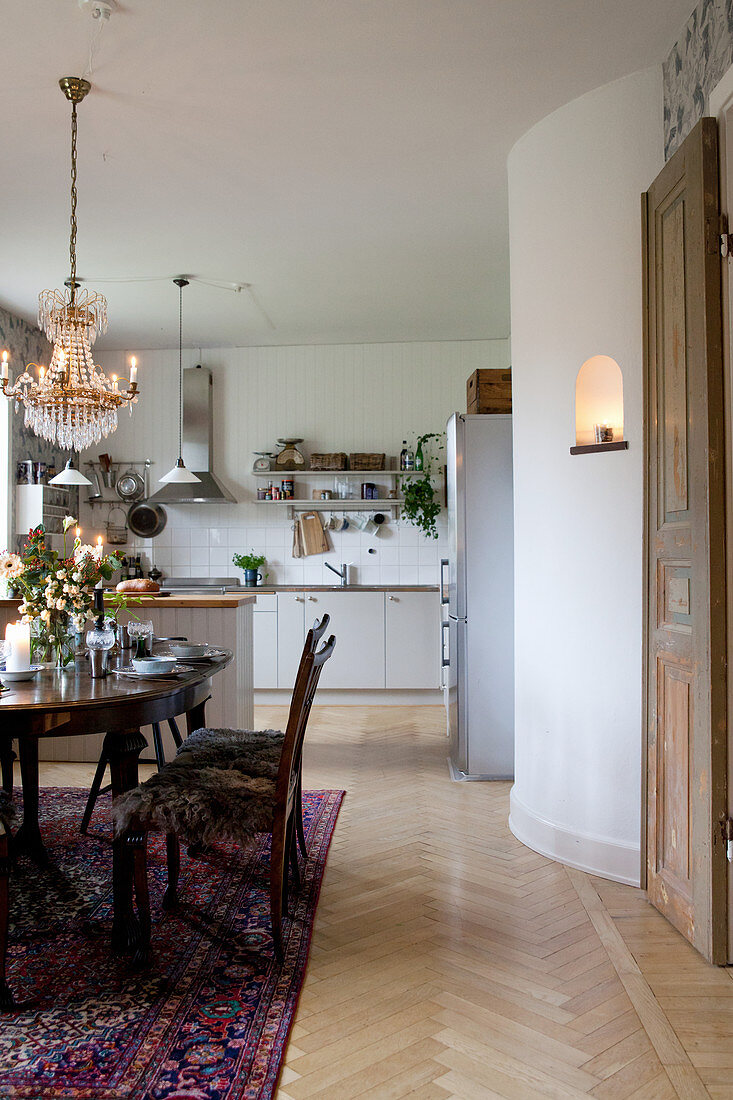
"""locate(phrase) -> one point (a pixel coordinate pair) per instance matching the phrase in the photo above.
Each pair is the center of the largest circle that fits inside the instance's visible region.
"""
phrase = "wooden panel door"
(685, 654)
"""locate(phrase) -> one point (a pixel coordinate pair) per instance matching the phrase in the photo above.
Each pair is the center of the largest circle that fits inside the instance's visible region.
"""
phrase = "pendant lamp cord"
(180, 371)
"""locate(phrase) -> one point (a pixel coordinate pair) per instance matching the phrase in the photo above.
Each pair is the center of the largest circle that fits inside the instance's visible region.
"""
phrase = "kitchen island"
(220, 619)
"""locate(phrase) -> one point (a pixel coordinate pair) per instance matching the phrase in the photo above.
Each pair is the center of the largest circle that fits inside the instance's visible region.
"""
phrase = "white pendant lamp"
(180, 475)
(69, 476)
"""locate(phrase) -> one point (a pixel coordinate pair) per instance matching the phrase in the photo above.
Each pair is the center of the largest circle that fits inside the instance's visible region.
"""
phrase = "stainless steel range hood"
(198, 445)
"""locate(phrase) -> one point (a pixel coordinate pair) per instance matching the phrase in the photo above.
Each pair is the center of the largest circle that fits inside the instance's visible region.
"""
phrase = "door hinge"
(725, 239)
(727, 827)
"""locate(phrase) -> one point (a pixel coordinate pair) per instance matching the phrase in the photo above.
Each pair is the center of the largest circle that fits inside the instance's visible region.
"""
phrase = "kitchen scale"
(289, 458)
(263, 462)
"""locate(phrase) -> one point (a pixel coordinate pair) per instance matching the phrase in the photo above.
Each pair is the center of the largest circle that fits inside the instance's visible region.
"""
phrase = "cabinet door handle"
(445, 661)
(443, 563)
(300, 599)
(312, 599)
(393, 598)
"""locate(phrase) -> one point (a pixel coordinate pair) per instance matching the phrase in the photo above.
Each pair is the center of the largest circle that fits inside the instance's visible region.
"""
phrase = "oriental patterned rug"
(207, 1020)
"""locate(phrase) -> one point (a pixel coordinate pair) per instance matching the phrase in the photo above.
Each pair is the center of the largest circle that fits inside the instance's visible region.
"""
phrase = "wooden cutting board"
(313, 536)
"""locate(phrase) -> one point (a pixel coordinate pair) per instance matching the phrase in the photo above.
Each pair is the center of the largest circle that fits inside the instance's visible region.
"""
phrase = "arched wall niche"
(599, 402)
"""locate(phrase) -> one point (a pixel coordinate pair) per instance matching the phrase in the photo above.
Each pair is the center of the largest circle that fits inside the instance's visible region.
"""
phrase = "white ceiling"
(344, 157)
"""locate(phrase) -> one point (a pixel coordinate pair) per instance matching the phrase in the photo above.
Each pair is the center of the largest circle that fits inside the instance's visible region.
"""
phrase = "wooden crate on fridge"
(489, 391)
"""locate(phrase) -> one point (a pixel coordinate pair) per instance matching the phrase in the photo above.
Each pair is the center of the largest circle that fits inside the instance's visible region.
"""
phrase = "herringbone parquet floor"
(450, 961)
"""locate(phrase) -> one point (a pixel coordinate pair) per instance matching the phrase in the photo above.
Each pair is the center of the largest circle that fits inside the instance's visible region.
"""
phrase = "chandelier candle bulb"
(4, 367)
(18, 658)
(133, 370)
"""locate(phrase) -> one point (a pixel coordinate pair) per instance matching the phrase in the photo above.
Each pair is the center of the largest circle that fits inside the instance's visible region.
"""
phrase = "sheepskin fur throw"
(8, 813)
(257, 754)
(200, 804)
(210, 737)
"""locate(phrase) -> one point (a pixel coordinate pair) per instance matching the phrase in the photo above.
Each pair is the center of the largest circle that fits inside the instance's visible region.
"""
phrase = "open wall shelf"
(594, 448)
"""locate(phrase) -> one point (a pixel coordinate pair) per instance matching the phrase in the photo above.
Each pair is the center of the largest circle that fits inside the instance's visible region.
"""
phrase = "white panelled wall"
(342, 397)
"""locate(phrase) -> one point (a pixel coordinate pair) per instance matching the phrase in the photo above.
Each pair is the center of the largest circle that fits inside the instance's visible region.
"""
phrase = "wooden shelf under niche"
(595, 448)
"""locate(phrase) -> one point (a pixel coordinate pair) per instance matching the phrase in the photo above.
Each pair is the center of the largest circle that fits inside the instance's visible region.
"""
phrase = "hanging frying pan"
(146, 520)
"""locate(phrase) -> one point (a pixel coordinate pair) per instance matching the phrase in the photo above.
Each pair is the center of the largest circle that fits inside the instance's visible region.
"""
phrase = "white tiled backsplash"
(199, 541)
(348, 397)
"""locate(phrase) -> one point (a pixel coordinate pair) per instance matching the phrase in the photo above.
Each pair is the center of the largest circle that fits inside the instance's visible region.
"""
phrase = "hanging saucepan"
(130, 486)
(146, 520)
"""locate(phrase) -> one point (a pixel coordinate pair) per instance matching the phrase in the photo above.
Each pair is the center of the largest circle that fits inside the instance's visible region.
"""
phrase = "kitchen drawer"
(266, 602)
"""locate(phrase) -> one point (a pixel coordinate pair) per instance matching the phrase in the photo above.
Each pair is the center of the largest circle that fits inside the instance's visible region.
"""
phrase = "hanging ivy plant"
(422, 504)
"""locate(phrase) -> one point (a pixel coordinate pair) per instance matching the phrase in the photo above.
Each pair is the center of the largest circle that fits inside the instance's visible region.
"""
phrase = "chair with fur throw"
(257, 752)
(204, 803)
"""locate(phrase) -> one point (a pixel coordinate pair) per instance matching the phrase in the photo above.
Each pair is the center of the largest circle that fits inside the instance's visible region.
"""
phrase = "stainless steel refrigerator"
(477, 590)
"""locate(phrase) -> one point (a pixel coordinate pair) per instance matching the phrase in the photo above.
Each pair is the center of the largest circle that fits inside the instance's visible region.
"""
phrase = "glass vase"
(53, 643)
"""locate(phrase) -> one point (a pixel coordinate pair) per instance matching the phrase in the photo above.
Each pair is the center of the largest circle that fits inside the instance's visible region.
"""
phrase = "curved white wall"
(574, 186)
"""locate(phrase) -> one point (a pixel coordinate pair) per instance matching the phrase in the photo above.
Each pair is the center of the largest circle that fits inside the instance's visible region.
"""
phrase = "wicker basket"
(116, 532)
(365, 461)
(334, 461)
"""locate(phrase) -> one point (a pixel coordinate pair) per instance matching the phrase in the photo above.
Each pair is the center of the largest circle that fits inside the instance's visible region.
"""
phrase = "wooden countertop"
(228, 599)
(271, 589)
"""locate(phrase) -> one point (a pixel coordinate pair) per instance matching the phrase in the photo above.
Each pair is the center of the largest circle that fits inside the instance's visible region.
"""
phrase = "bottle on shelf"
(138, 567)
(419, 460)
(124, 570)
(407, 458)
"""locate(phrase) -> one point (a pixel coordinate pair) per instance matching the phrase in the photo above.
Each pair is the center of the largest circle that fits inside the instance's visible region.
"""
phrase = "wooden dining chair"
(258, 749)
(209, 804)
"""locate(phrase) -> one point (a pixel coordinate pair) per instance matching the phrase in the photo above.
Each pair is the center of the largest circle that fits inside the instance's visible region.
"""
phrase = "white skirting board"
(351, 697)
(597, 855)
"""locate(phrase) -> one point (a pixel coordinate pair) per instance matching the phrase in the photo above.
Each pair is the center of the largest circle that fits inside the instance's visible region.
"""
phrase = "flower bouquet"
(57, 590)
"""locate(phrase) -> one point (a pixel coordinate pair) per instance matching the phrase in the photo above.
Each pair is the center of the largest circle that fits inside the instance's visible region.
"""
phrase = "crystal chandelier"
(72, 403)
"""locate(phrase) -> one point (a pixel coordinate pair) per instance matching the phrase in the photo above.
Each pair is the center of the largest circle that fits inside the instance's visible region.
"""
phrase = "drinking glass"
(142, 629)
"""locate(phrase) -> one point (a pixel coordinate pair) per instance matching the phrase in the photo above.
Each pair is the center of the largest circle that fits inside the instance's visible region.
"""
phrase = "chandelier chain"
(72, 239)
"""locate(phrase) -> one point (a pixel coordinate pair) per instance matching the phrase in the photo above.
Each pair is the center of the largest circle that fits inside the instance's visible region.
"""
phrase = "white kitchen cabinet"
(412, 640)
(264, 629)
(357, 620)
(383, 639)
(291, 631)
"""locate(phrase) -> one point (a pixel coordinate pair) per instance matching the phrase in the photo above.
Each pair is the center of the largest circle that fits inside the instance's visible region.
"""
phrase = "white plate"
(130, 671)
(28, 674)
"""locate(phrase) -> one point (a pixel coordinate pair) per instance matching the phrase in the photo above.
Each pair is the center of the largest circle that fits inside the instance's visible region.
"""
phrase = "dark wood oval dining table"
(69, 702)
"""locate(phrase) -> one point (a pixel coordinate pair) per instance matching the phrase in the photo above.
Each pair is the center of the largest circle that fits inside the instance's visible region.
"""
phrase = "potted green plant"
(250, 563)
(422, 505)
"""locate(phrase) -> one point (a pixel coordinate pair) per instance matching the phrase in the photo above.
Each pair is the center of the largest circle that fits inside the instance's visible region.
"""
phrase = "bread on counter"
(138, 584)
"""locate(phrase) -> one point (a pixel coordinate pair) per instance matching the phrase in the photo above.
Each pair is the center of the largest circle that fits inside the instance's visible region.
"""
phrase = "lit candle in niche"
(133, 369)
(18, 656)
(4, 367)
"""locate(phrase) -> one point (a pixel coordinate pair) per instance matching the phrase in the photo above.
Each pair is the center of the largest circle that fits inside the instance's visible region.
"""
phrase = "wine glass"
(142, 629)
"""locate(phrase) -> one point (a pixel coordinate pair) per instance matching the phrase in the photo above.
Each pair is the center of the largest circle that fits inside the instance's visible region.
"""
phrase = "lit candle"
(133, 369)
(41, 373)
(18, 657)
(114, 381)
(99, 555)
(4, 367)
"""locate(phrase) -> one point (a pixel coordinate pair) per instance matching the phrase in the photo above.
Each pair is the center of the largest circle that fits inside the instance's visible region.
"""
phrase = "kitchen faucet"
(342, 573)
